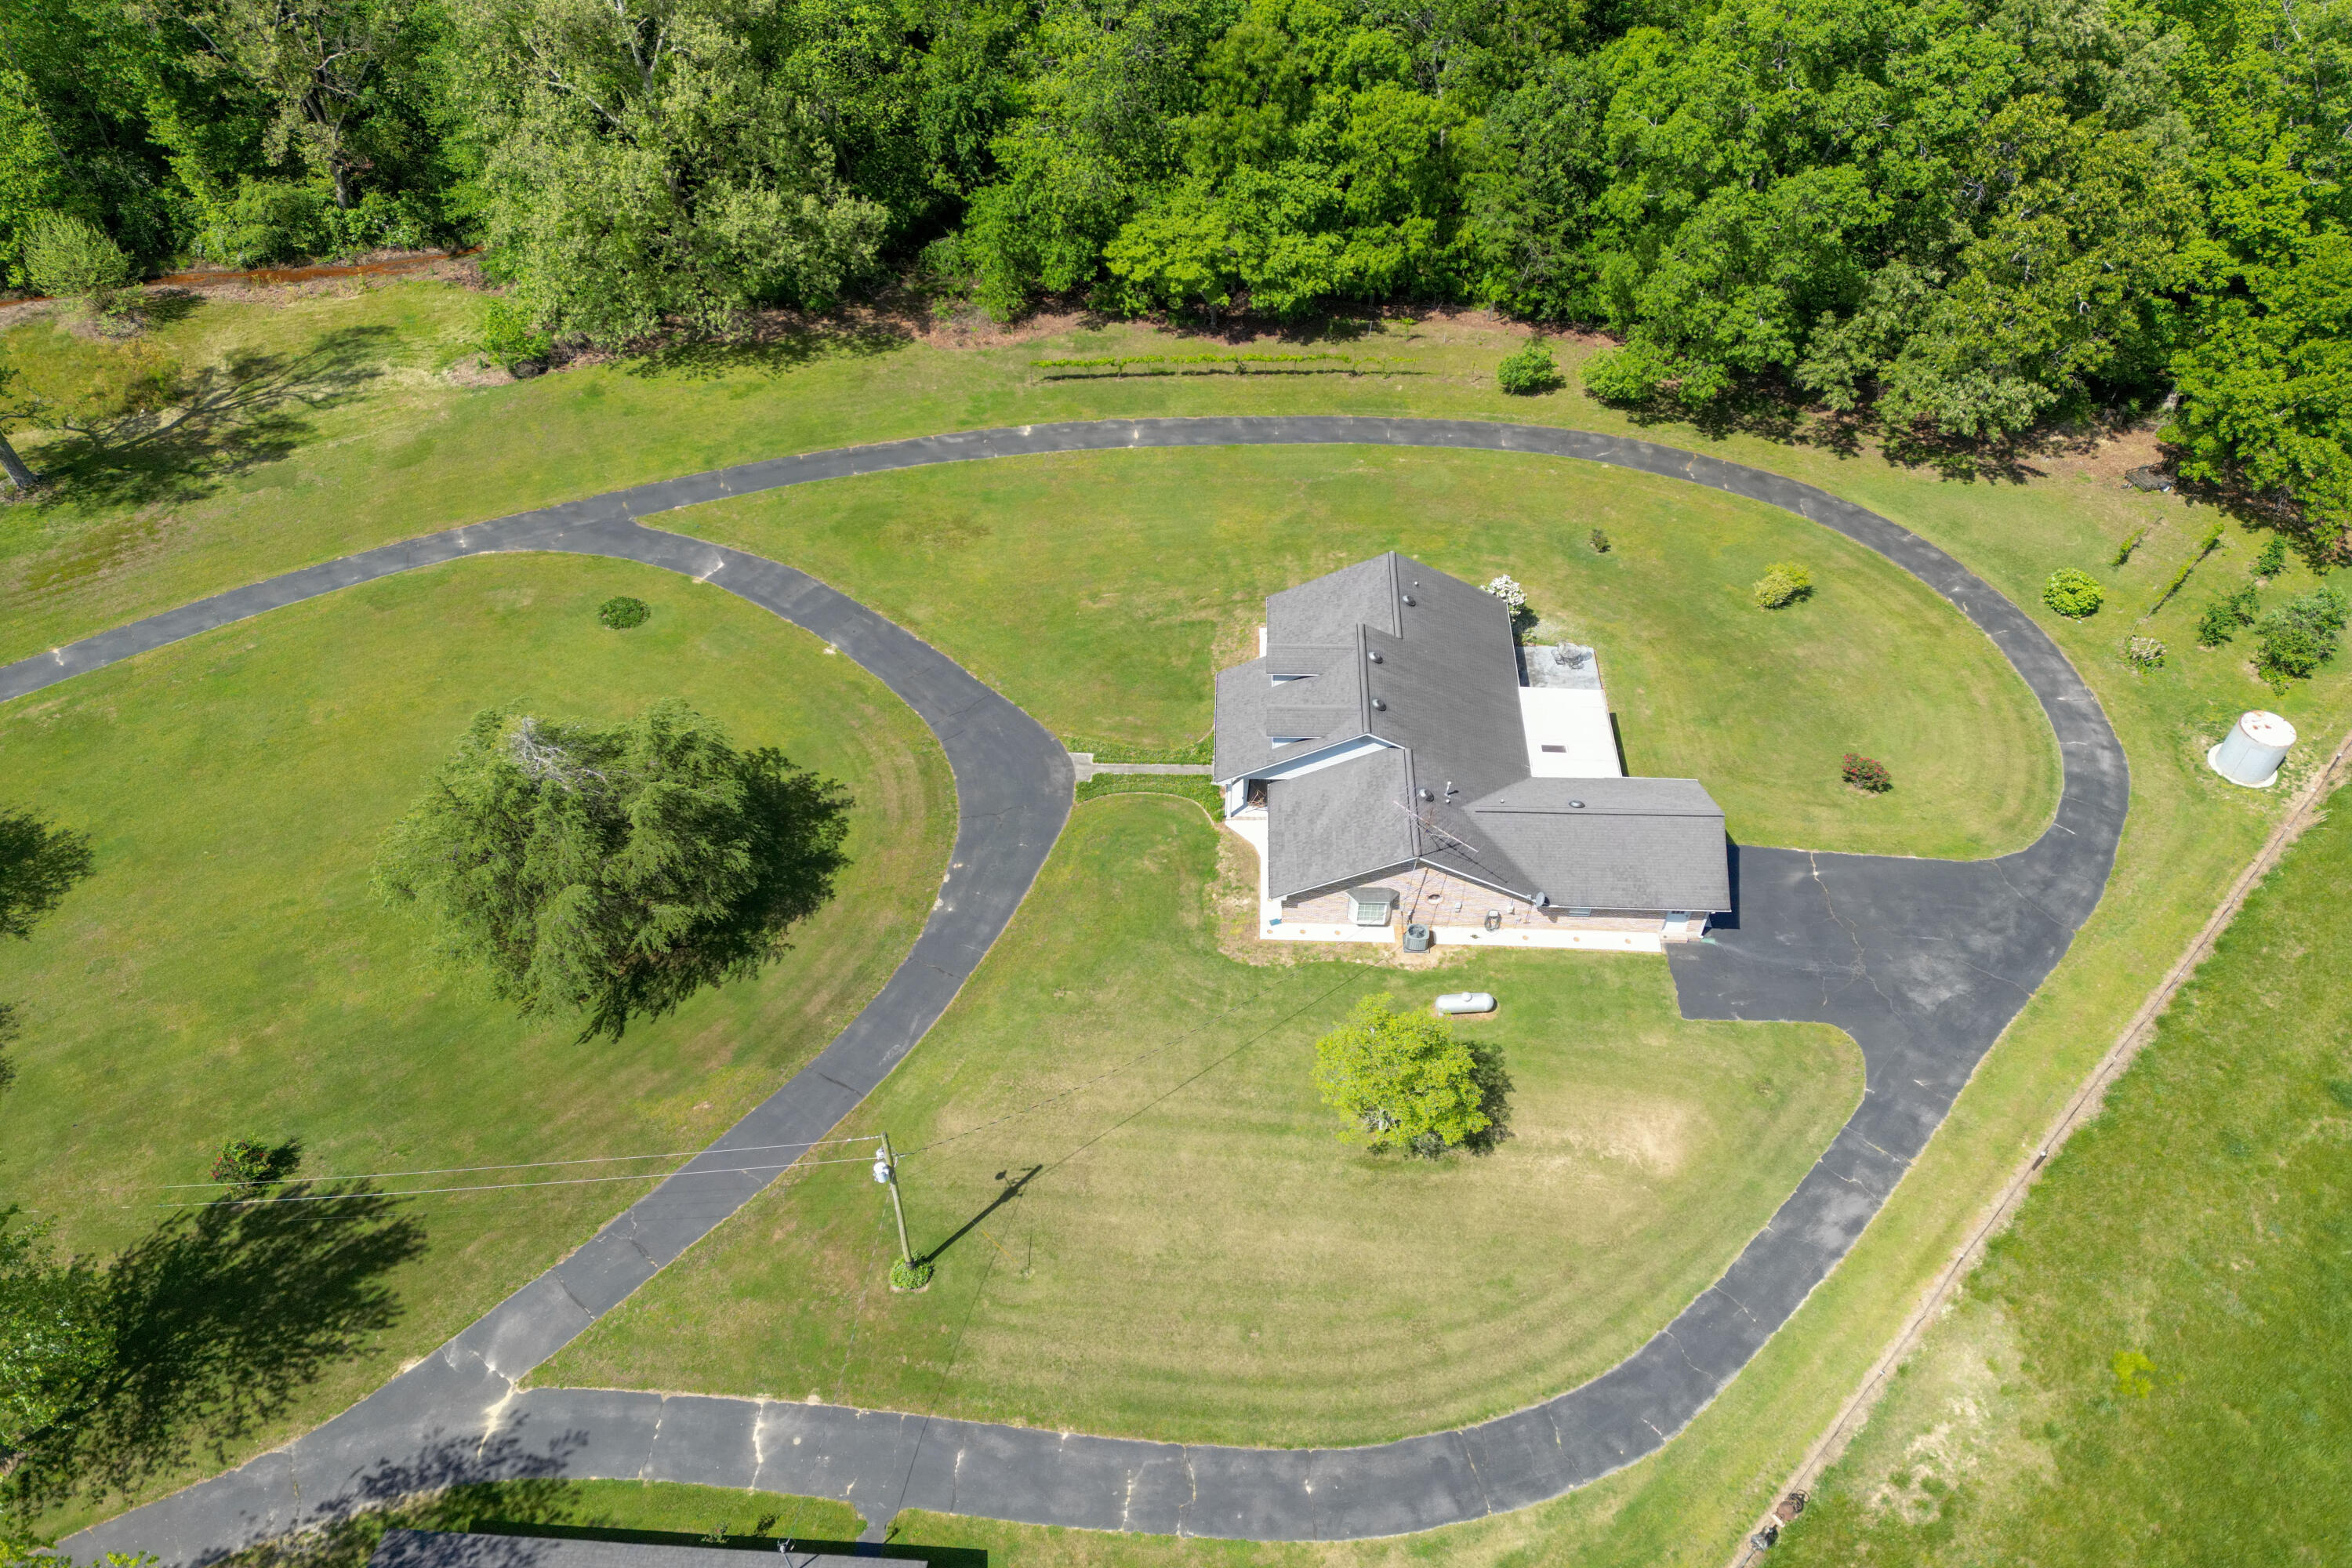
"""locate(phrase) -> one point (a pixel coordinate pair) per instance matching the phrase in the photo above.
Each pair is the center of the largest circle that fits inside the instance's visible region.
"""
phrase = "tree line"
(1963, 218)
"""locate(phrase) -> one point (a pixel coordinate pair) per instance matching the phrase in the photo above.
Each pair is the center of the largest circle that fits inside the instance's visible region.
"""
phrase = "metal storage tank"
(2251, 752)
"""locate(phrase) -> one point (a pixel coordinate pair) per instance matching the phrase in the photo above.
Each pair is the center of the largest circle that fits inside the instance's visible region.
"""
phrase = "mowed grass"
(2150, 1366)
(408, 453)
(1176, 1244)
(1102, 591)
(228, 971)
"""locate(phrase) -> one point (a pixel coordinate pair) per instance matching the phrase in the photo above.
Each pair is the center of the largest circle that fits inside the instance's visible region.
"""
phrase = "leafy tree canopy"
(614, 871)
(1407, 1082)
(1962, 218)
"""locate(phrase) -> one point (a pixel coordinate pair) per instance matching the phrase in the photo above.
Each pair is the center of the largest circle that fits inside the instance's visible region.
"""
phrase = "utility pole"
(886, 1171)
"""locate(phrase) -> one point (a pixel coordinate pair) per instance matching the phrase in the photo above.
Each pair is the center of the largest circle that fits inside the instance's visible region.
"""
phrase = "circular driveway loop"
(1923, 961)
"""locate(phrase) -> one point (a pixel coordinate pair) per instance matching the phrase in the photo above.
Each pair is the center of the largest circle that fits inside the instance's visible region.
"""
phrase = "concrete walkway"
(1923, 961)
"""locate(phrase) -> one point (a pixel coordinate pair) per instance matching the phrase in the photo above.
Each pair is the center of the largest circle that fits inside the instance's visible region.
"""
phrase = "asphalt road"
(1923, 961)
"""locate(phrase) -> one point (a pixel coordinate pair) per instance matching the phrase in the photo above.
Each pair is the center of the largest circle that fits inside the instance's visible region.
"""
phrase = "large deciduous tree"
(644, 162)
(1406, 1082)
(616, 870)
(55, 1336)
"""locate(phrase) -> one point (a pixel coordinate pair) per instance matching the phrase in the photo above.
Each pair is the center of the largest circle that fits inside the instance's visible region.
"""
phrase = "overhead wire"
(501, 1186)
(531, 1165)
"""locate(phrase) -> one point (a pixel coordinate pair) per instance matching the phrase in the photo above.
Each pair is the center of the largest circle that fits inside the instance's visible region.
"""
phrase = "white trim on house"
(1330, 756)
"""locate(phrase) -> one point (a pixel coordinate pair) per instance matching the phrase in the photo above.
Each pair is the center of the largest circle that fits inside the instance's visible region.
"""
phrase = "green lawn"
(1101, 590)
(1198, 1257)
(226, 971)
(2150, 1366)
(407, 453)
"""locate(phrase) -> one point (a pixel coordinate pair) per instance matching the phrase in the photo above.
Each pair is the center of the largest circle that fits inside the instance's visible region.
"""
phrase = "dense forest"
(1965, 218)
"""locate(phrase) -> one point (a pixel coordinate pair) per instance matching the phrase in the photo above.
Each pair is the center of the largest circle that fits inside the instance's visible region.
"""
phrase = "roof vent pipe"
(1372, 654)
(1379, 706)
(1406, 597)
(1426, 795)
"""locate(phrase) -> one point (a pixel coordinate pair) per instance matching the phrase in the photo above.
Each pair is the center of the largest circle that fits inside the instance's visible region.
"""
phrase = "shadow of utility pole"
(1011, 1191)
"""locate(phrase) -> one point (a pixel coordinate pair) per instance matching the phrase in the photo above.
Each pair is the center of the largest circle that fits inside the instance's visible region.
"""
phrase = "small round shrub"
(623, 613)
(73, 258)
(2299, 637)
(2072, 592)
(1509, 592)
(2272, 560)
(1866, 775)
(1529, 372)
(1599, 541)
(2143, 653)
(1783, 584)
(906, 1276)
(248, 1162)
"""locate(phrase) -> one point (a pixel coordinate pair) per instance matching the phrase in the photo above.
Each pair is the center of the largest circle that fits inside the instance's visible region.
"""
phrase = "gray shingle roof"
(1241, 745)
(1396, 651)
(1633, 844)
(1340, 824)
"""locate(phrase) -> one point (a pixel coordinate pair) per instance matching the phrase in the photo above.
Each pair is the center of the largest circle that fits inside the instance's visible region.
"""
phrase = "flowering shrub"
(1783, 583)
(2144, 653)
(1510, 593)
(2072, 592)
(1866, 775)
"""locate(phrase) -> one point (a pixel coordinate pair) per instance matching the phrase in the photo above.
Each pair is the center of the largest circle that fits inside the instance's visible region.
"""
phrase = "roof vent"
(1372, 654)
(1576, 805)
(1426, 795)
(1406, 597)
(1379, 706)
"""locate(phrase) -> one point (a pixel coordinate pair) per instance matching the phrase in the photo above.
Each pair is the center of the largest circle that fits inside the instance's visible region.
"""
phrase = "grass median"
(226, 972)
(1145, 1222)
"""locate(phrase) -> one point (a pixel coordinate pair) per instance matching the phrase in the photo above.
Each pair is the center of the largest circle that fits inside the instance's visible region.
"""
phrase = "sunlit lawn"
(1198, 1255)
(408, 453)
(2151, 1365)
(227, 971)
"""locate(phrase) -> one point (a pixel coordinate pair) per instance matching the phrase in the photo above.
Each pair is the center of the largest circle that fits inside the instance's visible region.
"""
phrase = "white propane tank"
(2251, 752)
(1466, 1002)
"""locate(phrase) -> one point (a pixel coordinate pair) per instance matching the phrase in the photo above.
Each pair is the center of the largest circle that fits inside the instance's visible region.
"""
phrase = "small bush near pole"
(906, 1276)
(1867, 775)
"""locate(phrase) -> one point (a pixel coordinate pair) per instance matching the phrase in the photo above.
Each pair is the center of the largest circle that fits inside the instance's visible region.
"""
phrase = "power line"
(531, 1165)
(513, 1186)
(1133, 1061)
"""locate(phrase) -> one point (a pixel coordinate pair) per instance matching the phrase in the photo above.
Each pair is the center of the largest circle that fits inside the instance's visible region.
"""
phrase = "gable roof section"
(1617, 844)
(1328, 609)
(1340, 824)
(1241, 744)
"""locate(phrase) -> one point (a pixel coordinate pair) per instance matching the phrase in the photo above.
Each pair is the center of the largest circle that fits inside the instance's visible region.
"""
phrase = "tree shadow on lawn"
(775, 343)
(183, 434)
(221, 1316)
